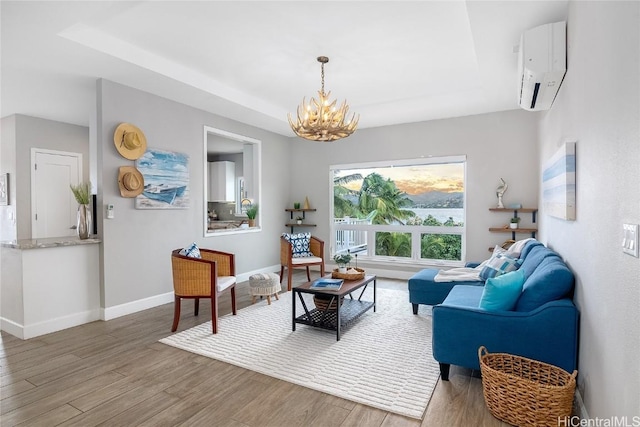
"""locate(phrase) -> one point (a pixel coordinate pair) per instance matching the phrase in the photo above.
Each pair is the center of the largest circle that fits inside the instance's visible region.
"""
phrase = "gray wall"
(8, 216)
(497, 145)
(598, 106)
(31, 132)
(137, 243)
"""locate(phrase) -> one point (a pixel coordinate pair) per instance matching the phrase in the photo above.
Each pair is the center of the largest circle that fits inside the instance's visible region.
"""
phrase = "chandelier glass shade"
(321, 120)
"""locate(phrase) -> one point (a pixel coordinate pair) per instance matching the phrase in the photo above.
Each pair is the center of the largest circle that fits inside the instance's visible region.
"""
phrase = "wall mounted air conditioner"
(542, 64)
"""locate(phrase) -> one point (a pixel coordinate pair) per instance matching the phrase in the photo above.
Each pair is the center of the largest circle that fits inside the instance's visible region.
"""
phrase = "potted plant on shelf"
(514, 222)
(342, 260)
(299, 220)
(296, 205)
(252, 211)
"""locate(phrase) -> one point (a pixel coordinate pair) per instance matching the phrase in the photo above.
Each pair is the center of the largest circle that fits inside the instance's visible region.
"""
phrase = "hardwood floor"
(116, 373)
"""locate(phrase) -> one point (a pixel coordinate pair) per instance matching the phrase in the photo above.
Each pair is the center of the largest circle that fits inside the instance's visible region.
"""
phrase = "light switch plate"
(630, 239)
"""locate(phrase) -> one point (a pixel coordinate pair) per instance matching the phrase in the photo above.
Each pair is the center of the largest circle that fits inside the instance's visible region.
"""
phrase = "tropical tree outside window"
(402, 211)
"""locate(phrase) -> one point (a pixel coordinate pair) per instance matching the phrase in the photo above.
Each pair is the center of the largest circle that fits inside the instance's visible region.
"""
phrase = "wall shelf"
(519, 230)
(293, 225)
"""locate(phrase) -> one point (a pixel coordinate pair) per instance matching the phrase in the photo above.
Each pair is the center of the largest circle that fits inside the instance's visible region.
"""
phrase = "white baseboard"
(245, 276)
(109, 313)
(11, 327)
(579, 406)
(49, 326)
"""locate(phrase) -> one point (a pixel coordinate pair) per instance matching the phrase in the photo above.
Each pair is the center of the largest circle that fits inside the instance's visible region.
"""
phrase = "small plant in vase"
(252, 212)
(342, 260)
(514, 222)
(299, 220)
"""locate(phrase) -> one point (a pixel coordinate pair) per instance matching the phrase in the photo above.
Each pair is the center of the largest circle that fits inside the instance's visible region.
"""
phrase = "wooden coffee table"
(347, 312)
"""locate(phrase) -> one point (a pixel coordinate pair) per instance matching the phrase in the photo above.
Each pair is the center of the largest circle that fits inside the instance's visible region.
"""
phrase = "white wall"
(497, 145)
(137, 243)
(599, 107)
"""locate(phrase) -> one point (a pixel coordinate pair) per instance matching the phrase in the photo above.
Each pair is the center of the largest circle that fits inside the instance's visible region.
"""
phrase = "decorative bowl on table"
(351, 274)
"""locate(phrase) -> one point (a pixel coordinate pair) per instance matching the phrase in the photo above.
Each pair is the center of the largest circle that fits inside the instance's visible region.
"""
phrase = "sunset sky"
(416, 179)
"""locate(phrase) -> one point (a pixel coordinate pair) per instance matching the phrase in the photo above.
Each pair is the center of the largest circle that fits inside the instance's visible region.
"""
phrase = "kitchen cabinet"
(222, 181)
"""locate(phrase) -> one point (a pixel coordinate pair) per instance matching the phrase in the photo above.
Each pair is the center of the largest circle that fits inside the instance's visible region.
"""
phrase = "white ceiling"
(394, 61)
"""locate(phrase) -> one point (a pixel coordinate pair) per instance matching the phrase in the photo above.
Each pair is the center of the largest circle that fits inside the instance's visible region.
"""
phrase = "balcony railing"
(359, 236)
(351, 240)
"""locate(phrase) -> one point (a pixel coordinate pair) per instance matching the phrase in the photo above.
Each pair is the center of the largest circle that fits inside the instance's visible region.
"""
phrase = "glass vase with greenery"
(82, 194)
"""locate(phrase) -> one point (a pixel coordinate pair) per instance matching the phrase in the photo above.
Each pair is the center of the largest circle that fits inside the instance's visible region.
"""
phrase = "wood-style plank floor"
(116, 373)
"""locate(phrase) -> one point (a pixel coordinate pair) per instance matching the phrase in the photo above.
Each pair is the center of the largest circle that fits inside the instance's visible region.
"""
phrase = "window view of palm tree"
(406, 211)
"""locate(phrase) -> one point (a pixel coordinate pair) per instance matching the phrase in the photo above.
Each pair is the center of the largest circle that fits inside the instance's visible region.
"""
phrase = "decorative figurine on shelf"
(306, 203)
(500, 192)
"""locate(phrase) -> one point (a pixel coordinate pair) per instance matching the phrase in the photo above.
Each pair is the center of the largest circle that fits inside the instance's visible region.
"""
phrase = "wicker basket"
(348, 276)
(322, 302)
(525, 392)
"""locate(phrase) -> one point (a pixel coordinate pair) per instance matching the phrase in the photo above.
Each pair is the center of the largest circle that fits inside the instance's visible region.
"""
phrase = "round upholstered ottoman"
(264, 284)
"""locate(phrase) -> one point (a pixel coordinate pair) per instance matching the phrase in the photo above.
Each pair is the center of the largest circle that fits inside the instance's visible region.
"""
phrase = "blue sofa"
(423, 289)
(543, 325)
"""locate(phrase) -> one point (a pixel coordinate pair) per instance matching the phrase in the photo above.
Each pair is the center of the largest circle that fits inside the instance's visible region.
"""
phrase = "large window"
(402, 211)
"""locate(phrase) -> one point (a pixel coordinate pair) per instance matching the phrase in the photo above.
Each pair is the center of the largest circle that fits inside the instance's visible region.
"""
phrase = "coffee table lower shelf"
(342, 315)
(350, 310)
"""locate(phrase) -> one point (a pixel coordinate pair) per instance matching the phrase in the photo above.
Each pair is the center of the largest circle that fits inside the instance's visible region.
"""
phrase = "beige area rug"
(382, 360)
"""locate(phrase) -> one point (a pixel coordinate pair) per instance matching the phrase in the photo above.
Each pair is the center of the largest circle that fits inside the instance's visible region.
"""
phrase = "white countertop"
(51, 242)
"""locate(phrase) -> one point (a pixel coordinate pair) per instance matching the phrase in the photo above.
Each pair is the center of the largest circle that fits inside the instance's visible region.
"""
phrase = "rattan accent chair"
(287, 260)
(205, 277)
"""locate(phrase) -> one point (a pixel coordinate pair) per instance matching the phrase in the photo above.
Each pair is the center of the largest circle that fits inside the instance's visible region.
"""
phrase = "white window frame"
(415, 230)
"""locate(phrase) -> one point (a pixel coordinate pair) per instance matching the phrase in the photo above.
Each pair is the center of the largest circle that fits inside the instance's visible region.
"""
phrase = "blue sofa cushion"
(464, 296)
(532, 257)
(528, 247)
(550, 281)
(502, 292)
(423, 289)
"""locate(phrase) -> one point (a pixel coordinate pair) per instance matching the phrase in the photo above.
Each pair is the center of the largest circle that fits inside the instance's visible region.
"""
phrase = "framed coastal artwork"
(559, 183)
(166, 180)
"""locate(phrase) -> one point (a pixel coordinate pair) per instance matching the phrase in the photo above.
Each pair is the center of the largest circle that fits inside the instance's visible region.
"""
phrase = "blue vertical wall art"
(559, 183)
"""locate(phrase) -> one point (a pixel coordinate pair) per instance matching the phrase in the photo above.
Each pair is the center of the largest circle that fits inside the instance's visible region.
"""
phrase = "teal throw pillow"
(300, 244)
(501, 293)
(191, 251)
(498, 264)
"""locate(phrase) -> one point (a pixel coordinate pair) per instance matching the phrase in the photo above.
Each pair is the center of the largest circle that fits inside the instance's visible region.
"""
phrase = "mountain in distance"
(437, 199)
(427, 200)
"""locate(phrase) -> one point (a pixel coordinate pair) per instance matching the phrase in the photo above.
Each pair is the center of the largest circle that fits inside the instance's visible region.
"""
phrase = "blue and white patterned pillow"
(499, 264)
(191, 251)
(299, 243)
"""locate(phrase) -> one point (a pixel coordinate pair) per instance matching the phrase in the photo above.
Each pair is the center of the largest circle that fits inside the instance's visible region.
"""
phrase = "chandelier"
(321, 120)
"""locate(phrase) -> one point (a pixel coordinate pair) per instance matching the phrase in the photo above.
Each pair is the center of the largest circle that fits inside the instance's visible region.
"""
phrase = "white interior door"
(53, 206)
